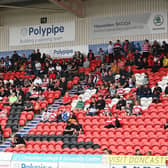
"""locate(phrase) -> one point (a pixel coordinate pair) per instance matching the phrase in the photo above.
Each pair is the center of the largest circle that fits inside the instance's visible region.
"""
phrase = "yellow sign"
(137, 160)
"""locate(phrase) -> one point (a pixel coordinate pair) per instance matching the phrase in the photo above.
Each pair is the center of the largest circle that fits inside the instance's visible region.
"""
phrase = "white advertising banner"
(148, 23)
(5, 160)
(64, 52)
(24, 164)
(37, 34)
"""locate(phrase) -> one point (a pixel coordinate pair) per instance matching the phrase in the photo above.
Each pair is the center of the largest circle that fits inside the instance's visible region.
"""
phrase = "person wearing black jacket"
(63, 85)
(100, 103)
(166, 90)
(91, 55)
(121, 103)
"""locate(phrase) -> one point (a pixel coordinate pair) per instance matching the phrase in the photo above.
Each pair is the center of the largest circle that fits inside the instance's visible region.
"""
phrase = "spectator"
(90, 55)
(80, 103)
(107, 151)
(63, 85)
(107, 110)
(110, 52)
(37, 69)
(65, 115)
(18, 141)
(146, 49)
(86, 63)
(149, 153)
(165, 61)
(166, 125)
(100, 103)
(37, 81)
(137, 56)
(166, 90)
(164, 47)
(146, 91)
(92, 111)
(130, 58)
(69, 129)
(112, 90)
(156, 48)
(126, 46)
(137, 109)
(114, 123)
(137, 152)
(13, 99)
(117, 50)
(101, 55)
(66, 99)
(121, 103)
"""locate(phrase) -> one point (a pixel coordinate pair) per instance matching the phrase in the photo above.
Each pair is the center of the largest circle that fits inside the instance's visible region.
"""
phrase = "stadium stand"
(118, 103)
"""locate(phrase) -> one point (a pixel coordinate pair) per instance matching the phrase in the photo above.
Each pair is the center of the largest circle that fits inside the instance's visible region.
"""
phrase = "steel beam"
(74, 6)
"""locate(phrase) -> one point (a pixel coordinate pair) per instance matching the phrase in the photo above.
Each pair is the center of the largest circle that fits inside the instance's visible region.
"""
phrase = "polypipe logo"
(42, 31)
(31, 165)
(158, 20)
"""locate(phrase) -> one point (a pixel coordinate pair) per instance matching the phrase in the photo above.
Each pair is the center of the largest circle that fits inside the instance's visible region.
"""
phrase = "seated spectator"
(63, 85)
(112, 91)
(66, 99)
(128, 109)
(28, 106)
(107, 151)
(77, 128)
(146, 91)
(80, 103)
(69, 129)
(114, 67)
(37, 81)
(120, 90)
(18, 141)
(156, 63)
(149, 153)
(33, 94)
(86, 63)
(130, 58)
(166, 125)
(109, 77)
(92, 110)
(155, 97)
(37, 68)
(1, 134)
(100, 103)
(3, 112)
(165, 61)
(19, 101)
(13, 99)
(139, 64)
(166, 90)
(137, 56)
(107, 110)
(65, 115)
(137, 109)
(123, 81)
(137, 152)
(79, 89)
(121, 103)
(103, 91)
(114, 123)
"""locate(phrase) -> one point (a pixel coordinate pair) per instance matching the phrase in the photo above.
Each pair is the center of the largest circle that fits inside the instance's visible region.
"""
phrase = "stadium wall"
(94, 8)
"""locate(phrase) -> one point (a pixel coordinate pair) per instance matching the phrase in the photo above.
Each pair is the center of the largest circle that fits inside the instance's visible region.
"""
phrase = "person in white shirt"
(37, 68)
(110, 51)
(37, 81)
